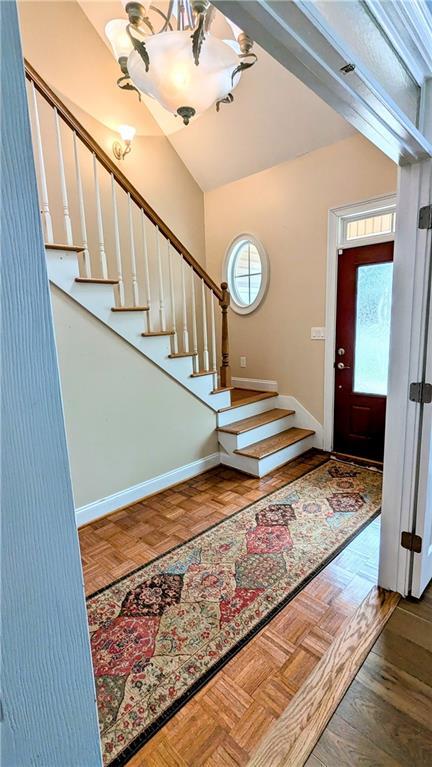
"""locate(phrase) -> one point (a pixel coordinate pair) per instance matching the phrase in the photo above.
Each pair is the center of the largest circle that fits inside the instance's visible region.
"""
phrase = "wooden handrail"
(104, 159)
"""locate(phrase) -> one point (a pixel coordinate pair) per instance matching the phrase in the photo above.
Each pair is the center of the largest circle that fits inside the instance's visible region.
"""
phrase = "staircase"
(109, 251)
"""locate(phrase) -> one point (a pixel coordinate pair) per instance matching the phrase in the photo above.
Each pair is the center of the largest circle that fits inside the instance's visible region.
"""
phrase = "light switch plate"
(242, 362)
(318, 334)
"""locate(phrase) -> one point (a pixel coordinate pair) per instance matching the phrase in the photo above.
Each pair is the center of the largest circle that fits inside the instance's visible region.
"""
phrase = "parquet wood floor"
(223, 724)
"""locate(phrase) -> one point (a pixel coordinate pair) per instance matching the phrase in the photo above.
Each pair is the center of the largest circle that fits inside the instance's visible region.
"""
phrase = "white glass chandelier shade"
(119, 39)
(173, 77)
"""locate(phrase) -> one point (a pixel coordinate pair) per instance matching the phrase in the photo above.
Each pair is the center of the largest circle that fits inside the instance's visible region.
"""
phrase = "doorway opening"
(358, 306)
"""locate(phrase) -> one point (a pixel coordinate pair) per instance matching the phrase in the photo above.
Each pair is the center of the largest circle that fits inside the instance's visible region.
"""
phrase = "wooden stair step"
(248, 400)
(130, 308)
(266, 447)
(57, 246)
(222, 388)
(179, 355)
(95, 281)
(246, 424)
(203, 373)
(153, 333)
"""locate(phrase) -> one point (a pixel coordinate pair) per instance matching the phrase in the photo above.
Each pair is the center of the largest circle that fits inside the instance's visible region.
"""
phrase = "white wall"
(126, 420)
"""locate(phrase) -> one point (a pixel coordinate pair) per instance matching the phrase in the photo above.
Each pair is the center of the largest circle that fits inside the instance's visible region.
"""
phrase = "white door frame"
(335, 241)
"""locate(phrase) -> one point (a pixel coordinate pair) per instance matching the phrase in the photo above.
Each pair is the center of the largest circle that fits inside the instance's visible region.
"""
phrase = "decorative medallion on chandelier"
(182, 64)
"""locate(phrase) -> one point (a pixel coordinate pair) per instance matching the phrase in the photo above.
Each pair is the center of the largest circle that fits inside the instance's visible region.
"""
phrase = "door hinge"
(425, 217)
(421, 392)
(411, 541)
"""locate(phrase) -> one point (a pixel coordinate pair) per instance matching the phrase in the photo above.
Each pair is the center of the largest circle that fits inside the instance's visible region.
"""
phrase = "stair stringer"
(99, 298)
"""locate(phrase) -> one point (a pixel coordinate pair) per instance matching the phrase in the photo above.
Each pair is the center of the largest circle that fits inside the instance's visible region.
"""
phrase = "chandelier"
(181, 64)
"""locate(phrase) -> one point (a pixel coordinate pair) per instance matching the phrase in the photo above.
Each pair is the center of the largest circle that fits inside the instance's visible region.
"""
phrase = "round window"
(246, 271)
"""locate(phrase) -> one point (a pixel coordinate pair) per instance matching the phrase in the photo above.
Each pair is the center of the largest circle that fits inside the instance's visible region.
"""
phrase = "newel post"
(225, 371)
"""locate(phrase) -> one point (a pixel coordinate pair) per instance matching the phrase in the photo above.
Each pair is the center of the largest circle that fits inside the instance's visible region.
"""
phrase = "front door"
(362, 349)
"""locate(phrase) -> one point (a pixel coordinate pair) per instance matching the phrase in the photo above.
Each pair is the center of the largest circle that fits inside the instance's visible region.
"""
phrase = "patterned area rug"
(161, 632)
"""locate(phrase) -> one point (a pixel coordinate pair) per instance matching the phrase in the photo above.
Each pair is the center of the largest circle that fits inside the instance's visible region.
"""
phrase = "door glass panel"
(372, 328)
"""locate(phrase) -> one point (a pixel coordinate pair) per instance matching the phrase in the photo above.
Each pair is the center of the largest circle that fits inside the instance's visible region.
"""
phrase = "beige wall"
(126, 420)
(286, 207)
(62, 45)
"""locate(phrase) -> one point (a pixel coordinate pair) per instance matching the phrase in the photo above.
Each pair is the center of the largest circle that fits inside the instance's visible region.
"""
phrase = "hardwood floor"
(224, 723)
(385, 718)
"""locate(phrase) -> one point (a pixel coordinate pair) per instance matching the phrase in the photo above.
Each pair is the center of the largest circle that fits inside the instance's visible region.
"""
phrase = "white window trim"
(335, 241)
(227, 272)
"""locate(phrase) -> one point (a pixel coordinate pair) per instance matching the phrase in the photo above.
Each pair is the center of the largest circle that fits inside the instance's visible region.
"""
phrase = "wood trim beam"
(295, 733)
(109, 165)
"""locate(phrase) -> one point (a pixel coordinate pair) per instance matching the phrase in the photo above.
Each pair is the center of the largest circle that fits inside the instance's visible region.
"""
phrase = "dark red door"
(362, 347)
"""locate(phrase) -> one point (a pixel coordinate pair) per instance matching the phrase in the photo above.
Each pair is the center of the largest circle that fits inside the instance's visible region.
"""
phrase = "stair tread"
(248, 400)
(130, 308)
(151, 333)
(96, 281)
(246, 424)
(174, 355)
(266, 447)
(57, 246)
(203, 373)
(222, 388)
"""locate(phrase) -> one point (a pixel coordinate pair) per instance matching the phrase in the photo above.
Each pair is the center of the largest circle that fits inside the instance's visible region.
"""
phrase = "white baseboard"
(97, 509)
(260, 384)
(302, 418)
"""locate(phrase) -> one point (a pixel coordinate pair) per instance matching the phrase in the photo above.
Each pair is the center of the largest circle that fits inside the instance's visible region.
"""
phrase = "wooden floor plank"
(291, 739)
(343, 746)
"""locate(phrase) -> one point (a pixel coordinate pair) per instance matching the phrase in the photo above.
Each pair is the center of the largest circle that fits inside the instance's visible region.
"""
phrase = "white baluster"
(132, 255)
(147, 271)
(63, 186)
(46, 215)
(83, 226)
(185, 325)
(102, 254)
(161, 286)
(172, 293)
(204, 319)
(213, 337)
(117, 246)
(194, 325)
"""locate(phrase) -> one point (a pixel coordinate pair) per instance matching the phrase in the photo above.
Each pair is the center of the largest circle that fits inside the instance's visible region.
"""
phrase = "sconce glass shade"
(173, 77)
(119, 39)
(127, 132)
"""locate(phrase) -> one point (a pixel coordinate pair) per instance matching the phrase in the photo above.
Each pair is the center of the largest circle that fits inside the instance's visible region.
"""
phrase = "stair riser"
(259, 468)
(233, 442)
(98, 300)
(245, 411)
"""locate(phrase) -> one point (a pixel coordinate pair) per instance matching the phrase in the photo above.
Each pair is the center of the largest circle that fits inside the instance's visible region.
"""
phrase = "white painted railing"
(86, 201)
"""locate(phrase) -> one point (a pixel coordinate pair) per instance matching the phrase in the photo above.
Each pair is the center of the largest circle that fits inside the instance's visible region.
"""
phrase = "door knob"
(341, 366)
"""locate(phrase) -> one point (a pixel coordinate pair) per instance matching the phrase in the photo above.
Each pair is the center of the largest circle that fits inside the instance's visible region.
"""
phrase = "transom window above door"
(246, 271)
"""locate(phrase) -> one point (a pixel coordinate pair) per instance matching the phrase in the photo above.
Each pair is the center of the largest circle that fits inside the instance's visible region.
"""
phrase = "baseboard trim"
(260, 384)
(92, 511)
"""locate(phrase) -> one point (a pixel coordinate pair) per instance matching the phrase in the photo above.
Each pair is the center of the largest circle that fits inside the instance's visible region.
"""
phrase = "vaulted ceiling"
(273, 118)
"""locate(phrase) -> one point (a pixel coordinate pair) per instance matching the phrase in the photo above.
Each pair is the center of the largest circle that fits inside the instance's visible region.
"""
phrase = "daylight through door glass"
(372, 328)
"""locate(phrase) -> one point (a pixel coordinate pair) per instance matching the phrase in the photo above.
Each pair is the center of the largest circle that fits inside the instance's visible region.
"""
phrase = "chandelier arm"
(139, 46)
(166, 16)
(228, 99)
(244, 64)
(127, 86)
(209, 17)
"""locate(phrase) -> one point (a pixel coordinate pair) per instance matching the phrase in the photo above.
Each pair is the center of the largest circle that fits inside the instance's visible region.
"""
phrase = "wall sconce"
(120, 150)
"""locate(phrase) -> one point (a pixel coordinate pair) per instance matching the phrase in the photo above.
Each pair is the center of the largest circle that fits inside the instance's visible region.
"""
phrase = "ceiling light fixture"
(182, 64)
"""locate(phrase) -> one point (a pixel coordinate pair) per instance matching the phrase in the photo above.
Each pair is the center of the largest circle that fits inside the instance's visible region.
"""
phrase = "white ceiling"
(274, 118)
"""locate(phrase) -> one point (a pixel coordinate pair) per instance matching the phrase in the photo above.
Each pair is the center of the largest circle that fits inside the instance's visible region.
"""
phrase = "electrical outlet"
(242, 362)
(317, 334)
